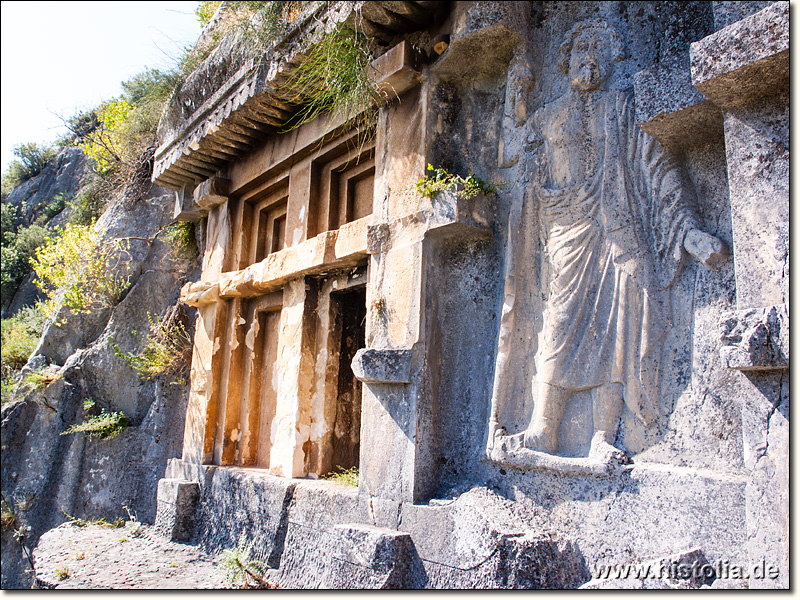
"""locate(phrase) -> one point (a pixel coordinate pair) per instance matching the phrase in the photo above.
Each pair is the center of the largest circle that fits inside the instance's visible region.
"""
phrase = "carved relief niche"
(247, 383)
(259, 223)
(342, 182)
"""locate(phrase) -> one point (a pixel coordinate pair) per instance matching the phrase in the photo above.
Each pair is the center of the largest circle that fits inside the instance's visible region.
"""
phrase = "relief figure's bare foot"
(509, 443)
(540, 440)
(530, 439)
(605, 452)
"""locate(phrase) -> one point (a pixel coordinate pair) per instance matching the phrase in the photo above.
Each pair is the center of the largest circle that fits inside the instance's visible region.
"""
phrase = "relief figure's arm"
(673, 218)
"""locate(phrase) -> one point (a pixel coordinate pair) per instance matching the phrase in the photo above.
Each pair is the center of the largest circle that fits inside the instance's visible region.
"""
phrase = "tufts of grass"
(238, 565)
(103, 426)
(8, 519)
(116, 524)
(343, 476)
(334, 78)
(180, 236)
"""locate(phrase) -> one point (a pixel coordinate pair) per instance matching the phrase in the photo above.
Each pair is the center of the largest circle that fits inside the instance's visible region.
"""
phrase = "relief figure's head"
(588, 53)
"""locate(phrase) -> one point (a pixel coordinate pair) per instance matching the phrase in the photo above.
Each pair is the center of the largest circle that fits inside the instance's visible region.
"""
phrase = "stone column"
(296, 344)
(198, 443)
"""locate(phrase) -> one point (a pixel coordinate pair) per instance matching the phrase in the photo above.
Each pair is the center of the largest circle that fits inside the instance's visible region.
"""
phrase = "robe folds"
(610, 248)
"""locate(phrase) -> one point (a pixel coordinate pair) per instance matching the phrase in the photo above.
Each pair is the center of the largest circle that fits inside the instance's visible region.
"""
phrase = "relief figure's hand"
(706, 248)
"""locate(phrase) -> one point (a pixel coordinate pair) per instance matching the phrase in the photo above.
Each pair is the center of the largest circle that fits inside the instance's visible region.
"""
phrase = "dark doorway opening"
(350, 309)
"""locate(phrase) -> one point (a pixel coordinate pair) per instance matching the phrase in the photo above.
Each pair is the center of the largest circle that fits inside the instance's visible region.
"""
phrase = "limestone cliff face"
(53, 474)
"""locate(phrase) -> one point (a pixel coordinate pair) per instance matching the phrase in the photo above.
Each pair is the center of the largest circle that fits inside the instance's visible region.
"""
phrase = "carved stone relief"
(616, 218)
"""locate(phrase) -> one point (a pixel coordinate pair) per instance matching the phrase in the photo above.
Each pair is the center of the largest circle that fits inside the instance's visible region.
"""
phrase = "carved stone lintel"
(453, 213)
(756, 339)
(396, 71)
(383, 366)
(185, 209)
(671, 110)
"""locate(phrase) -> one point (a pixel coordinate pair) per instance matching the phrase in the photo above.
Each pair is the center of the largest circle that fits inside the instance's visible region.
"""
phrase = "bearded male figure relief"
(618, 217)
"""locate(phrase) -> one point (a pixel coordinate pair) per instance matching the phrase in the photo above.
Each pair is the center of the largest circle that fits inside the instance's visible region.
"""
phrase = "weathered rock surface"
(73, 474)
(62, 175)
(663, 258)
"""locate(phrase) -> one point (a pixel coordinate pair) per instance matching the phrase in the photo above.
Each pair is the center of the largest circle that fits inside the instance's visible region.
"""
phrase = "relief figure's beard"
(587, 75)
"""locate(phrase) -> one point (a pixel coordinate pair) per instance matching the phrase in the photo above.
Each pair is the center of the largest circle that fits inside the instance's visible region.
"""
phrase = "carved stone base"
(531, 460)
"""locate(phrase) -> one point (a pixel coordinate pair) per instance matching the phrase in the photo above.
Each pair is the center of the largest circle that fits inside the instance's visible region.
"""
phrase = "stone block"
(395, 72)
(211, 193)
(378, 238)
(451, 213)
(756, 339)
(177, 504)
(745, 60)
(236, 502)
(371, 365)
(671, 110)
(727, 12)
(185, 209)
(384, 553)
(384, 512)
(474, 541)
(767, 501)
(200, 293)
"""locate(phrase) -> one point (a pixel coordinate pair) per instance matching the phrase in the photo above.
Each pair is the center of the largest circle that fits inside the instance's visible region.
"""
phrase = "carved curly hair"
(565, 50)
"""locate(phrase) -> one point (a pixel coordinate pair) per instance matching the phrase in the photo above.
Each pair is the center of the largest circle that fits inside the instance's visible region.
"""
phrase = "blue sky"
(62, 57)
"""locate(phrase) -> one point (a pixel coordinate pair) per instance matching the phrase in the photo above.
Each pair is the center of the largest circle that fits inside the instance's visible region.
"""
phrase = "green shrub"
(31, 159)
(470, 185)
(54, 207)
(12, 271)
(8, 223)
(20, 335)
(205, 10)
(180, 236)
(88, 205)
(15, 258)
(77, 268)
(168, 350)
(28, 239)
(103, 426)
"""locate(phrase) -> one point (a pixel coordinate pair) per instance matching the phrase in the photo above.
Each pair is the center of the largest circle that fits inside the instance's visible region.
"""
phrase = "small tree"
(33, 157)
(82, 267)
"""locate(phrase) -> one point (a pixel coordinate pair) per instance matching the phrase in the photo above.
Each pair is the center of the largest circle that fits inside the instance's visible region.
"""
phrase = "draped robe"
(613, 245)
